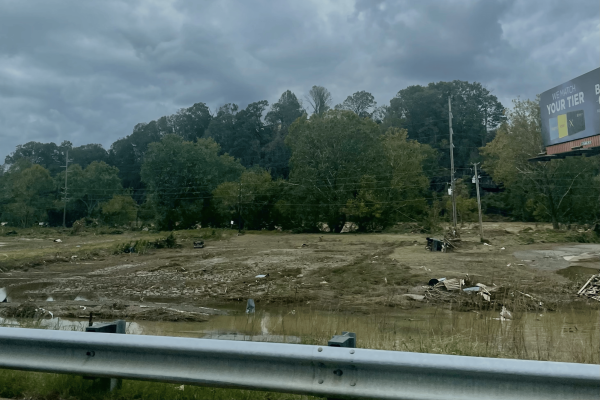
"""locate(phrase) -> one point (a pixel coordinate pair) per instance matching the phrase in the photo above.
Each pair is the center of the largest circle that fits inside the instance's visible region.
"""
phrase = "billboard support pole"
(452, 170)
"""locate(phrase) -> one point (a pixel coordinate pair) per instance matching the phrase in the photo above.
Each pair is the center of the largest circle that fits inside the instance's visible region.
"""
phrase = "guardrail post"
(118, 326)
(346, 339)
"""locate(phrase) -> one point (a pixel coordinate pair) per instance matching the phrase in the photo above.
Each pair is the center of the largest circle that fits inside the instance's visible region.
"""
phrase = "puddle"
(559, 257)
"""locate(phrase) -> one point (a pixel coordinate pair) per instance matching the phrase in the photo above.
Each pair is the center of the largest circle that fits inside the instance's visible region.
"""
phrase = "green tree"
(423, 112)
(180, 177)
(47, 155)
(279, 118)
(30, 194)
(248, 201)
(91, 186)
(330, 155)
(120, 210)
(359, 103)
(88, 153)
(319, 99)
(559, 190)
(398, 190)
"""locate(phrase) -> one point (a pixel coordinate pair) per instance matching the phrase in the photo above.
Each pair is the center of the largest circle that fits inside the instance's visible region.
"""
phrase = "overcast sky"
(88, 71)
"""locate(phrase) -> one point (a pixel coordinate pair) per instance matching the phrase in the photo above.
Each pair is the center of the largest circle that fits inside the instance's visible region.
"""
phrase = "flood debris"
(434, 281)
(505, 314)
(262, 276)
(199, 244)
(446, 289)
(591, 289)
(444, 245)
(57, 241)
(3, 296)
(250, 307)
(10, 233)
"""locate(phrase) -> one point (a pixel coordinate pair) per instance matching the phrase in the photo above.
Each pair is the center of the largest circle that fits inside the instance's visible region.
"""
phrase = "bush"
(142, 246)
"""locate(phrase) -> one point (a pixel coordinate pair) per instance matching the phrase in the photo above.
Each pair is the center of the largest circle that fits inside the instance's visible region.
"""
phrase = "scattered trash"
(385, 280)
(433, 282)
(453, 284)
(180, 387)
(3, 296)
(591, 288)
(304, 245)
(73, 256)
(250, 307)
(472, 289)
(416, 297)
(299, 276)
(434, 244)
(57, 241)
(486, 244)
(199, 244)
(3, 223)
(78, 246)
(145, 229)
(262, 276)
(324, 283)
(505, 314)
(502, 248)
(50, 298)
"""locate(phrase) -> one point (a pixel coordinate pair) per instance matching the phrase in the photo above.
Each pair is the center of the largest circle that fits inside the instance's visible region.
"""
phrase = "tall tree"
(423, 112)
(330, 155)
(319, 99)
(361, 103)
(180, 177)
(282, 114)
(191, 123)
(29, 194)
(86, 154)
(97, 183)
(248, 201)
(48, 155)
(559, 190)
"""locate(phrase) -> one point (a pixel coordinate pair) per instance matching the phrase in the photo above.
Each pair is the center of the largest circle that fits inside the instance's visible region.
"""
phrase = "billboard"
(571, 111)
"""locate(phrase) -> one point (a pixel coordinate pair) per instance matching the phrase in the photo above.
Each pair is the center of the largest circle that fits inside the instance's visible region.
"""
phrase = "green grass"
(45, 386)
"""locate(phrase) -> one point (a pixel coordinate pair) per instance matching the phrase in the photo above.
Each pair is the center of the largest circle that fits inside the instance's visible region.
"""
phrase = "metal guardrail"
(318, 370)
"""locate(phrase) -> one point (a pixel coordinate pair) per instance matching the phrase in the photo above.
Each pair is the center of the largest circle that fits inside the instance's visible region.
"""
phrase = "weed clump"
(142, 246)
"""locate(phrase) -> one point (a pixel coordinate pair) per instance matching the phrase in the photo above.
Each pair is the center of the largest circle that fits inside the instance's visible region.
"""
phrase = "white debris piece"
(57, 241)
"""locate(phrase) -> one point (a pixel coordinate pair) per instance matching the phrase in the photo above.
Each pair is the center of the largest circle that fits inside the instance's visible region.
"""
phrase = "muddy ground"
(350, 272)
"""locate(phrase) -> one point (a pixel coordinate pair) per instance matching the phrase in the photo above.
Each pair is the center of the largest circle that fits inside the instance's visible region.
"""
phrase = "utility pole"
(240, 208)
(454, 219)
(66, 167)
(476, 178)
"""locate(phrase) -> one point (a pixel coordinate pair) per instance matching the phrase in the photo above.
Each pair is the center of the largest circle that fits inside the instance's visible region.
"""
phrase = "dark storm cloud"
(89, 71)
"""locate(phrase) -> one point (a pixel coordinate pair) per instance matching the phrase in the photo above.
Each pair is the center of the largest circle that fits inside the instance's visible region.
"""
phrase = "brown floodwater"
(571, 335)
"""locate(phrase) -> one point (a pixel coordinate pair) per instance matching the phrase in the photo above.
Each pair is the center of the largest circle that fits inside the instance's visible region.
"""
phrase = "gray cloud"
(89, 71)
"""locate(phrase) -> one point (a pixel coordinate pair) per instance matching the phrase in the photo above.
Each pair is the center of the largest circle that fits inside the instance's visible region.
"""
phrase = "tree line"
(298, 167)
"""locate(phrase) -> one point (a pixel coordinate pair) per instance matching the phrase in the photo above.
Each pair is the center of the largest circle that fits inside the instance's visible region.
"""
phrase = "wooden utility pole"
(240, 208)
(478, 202)
(65, 198)
(454, 217)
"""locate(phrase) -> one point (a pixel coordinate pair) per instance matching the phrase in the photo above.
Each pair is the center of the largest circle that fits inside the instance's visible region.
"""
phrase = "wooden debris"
(591, 288)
